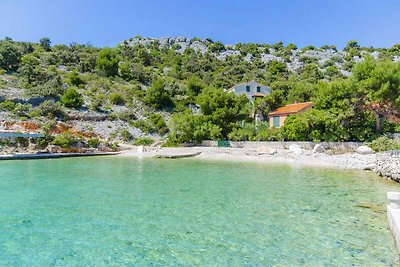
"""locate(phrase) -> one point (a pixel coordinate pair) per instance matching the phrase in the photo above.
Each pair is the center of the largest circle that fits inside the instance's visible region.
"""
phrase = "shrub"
(116, 99)
(126, 135)
(143, 141)
(7, 105)
(75, 79)
(93, 142)
(21, 109)
(385, 143)
(65, 140)
(71, 98)
(159, 123)
(157, 96)
(143, 125)
(50, 108)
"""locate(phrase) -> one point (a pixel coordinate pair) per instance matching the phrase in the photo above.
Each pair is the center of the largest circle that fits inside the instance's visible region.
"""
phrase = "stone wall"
(388, 165)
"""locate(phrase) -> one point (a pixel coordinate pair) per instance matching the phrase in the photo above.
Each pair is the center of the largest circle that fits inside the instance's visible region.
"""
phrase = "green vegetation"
(71, 98)
(181, 95)
(143, 141)
(65, 140)
(385, 143)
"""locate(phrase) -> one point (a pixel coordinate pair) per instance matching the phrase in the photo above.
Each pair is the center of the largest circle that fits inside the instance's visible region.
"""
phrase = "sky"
(108, 22)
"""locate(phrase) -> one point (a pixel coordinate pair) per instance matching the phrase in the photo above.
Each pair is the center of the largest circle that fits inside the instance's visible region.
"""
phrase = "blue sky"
(108, 22)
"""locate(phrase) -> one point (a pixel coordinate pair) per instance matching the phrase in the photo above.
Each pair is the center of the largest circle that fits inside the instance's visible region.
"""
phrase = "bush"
(71, 98)
(159, 123)
(143, 125)
(270, 134)
(157, 96)
(126, 135)
(116, 99)
(65, 140)
(385, 143)
(50, 108)
(21, 110)
(7, 105)
(75, 79)
(143, 141)
(93, 142)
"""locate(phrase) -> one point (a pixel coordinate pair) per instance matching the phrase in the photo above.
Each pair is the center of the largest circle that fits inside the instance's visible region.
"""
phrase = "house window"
(276, 121)
(247, 88)
(258, 89)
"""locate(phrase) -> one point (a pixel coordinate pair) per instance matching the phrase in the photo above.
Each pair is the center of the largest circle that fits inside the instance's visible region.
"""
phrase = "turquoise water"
(141, 212)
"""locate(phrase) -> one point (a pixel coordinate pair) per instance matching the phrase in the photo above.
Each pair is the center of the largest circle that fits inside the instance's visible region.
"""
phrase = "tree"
(107, 62)
(194, 87)
(75, 79)
(276, 69)
(45, 43)
(157, 96)
(71, 98)
(311, 73)
(351, 44)
(216, 47)
(224, 109)
(10, 55)
(378, 84)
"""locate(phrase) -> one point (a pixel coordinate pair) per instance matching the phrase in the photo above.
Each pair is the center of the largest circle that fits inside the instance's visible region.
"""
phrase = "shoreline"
(28, 156)
(347, 161)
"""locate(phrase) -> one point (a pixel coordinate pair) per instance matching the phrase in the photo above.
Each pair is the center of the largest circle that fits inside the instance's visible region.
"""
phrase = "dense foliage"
(180, 93)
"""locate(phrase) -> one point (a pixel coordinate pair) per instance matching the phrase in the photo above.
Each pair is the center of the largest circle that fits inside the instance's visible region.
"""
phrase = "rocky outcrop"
(388, 165)
(294, 59)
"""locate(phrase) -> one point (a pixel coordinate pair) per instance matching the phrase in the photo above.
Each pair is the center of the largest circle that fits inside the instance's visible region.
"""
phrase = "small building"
(251, 89)
(277, 117)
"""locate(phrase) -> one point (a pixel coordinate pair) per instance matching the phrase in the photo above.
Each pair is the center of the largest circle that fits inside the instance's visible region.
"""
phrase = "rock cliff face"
(388, 165)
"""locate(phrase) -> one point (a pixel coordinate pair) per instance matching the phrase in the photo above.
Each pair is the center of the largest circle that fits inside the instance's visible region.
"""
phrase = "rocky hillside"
(145, 89)
(294, 58)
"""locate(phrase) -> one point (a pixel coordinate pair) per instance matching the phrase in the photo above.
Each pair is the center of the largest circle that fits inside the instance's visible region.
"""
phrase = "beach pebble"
(267, 150)
(364, 150)
(296, 149)
(318, 149)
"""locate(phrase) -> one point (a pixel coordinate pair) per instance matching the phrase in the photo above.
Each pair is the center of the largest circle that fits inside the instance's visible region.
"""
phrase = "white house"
(251, 89)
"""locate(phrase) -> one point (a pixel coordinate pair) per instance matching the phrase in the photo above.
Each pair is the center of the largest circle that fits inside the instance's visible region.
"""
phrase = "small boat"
(177, 156)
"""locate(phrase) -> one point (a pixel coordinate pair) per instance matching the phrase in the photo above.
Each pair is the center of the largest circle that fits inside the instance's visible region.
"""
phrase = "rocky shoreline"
(384, 164)
(388, 165)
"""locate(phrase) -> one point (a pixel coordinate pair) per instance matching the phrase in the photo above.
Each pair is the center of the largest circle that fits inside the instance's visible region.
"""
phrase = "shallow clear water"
(140, 212)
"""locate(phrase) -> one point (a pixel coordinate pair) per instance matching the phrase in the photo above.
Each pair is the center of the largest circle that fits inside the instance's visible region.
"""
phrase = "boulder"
(364, 150)
(318, 149)
(296, 149)
(53, 149)
(140, 149)
(266, 150)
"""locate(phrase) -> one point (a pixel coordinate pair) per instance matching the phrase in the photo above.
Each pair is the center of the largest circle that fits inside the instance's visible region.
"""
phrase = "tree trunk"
(379, 121)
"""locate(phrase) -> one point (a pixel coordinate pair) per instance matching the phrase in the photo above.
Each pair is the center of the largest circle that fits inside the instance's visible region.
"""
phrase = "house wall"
(282, 118)
(281, 121)
(241, 89)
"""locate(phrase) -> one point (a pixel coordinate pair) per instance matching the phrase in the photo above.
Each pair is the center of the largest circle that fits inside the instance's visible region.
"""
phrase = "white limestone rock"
(267, 150)
(295, 149)
(318, 149)
(365, 150)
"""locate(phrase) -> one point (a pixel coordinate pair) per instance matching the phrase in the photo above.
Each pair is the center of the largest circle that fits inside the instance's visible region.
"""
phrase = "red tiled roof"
(291, 108)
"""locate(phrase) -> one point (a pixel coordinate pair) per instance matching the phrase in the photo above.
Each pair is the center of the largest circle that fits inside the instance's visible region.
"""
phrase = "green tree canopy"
(71, 98)
(107, 62)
